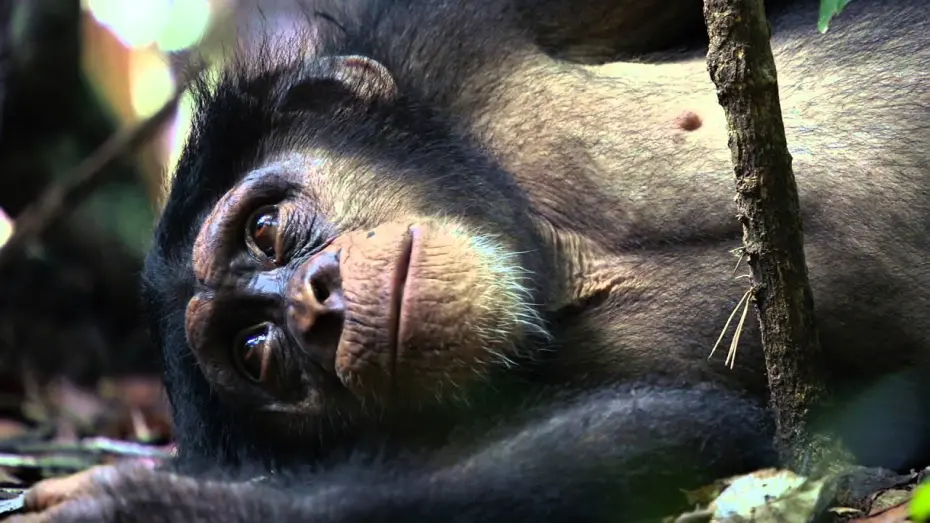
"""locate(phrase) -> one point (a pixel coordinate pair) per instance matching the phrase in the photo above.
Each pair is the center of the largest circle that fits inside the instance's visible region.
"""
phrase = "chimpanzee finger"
(54, 491)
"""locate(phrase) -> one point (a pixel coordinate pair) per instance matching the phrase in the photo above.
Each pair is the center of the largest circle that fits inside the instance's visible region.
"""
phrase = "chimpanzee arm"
(594, 458)
(605, 30)
(613, 456)
(596, 31)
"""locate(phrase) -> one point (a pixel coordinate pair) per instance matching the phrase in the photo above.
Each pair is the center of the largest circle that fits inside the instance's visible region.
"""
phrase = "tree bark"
(741, 65)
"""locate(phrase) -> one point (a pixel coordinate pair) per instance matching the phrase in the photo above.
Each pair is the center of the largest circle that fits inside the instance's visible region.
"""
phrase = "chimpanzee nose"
(316, 306)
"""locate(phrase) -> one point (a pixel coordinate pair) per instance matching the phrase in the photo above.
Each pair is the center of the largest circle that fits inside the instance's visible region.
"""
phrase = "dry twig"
(60, 198)
(742, 67)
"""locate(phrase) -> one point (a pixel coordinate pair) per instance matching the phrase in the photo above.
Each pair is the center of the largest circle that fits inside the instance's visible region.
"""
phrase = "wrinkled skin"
(460, 223)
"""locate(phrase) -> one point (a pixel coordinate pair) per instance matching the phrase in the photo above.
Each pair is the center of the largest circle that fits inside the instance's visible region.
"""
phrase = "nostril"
(320, 292)
(316, 308)
(318, 284)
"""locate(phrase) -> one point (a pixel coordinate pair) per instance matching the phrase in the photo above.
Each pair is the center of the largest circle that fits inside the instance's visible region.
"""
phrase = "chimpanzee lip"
(399, 284)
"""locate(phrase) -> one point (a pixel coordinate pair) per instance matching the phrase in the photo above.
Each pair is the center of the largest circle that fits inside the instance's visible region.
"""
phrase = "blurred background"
(75, 358)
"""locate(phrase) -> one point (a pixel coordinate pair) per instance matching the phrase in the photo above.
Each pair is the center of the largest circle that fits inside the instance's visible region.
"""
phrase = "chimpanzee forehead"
(226, 134)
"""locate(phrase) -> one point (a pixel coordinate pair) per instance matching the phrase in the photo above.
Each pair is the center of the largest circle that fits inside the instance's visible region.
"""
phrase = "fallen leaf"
(888, 499)
(11, 428)
(7, 478)
(771, 496)
(893, 515)
(13, 505)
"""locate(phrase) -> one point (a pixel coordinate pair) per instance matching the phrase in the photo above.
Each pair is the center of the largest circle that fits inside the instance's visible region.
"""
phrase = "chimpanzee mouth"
(399, 283)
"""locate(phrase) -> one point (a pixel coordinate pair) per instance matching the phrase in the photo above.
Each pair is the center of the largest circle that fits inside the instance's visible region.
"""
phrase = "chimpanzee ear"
(335, 80)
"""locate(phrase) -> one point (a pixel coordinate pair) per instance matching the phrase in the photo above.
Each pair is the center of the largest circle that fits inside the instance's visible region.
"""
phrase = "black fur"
(607, 456)
(239, 125)
(610, 456)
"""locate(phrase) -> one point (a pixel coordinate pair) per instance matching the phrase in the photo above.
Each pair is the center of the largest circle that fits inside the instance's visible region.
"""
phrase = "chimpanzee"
(413, 267)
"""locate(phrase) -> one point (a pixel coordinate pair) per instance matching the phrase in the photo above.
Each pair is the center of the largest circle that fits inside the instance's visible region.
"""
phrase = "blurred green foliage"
(829, 9)
(920, 503)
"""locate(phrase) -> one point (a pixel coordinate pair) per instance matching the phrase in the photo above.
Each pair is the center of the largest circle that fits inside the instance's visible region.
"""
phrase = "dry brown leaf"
(896, 514)
(10, 428)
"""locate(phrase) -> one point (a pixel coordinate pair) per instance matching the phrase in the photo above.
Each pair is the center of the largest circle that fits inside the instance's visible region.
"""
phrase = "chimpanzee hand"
(138, 492)
(580, 461)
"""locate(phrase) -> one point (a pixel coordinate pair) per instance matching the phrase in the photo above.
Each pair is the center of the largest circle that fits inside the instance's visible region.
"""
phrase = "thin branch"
(125, 449)
(742, 67)
(59, 199)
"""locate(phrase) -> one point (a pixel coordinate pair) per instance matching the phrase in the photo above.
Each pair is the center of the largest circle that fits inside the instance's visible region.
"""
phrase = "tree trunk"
(741, 65)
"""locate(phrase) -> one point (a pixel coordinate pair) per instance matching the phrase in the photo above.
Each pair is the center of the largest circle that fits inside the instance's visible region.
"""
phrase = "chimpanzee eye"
(262, 233)
(252, 352)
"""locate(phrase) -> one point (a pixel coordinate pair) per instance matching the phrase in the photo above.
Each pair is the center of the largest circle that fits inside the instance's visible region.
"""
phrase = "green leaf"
(920, 503)
(829, 9)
